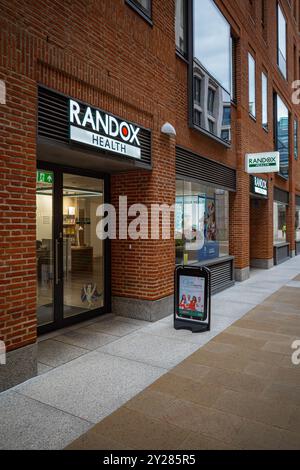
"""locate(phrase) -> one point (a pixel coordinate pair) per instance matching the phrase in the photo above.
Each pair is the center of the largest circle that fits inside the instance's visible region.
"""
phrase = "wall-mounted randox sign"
(192, 305)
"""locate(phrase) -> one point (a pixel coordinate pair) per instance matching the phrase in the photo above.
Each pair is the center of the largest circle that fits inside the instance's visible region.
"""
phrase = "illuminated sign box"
(96, 128)
(267, 162)
(259, 186)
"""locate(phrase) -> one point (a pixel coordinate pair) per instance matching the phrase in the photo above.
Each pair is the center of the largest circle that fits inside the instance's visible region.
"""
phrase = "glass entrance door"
(70, 256)
(44, 247)
(83, 254)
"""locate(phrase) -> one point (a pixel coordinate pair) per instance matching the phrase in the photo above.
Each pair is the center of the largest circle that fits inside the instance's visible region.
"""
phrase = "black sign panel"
(192, 298)
(259, 186)
(67, 120)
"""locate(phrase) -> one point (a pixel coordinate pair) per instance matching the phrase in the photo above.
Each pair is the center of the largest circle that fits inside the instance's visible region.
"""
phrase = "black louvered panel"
(221, 275)
(281, 253)
(281, 196)
(297, 200)
(298, 247)
(192, 166)
(53, 115)
(145, 141)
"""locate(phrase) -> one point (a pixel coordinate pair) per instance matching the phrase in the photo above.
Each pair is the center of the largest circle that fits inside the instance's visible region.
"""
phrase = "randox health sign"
(267, 162)
(96, 128)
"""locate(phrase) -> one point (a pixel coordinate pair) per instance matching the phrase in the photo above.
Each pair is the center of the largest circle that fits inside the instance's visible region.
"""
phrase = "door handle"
(56, 262)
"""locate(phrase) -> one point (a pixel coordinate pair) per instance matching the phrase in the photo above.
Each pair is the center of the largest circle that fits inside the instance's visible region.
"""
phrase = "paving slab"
(54, 353)
(114, 327)
(86, 338)
(150, 349)
(30, 424)
(91, 386)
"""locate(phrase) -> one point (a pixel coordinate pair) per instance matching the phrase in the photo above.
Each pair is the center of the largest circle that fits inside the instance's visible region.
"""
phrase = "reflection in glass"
(44, 247)
(201, 222)
(83, 252)
(211, 105)
(297, 223)
(281, 33)
(251, 83)
(264, 89)
(279, 215)
(295, 139)
(180, 26)
(282, 135)
(212, 70)
(212, 47)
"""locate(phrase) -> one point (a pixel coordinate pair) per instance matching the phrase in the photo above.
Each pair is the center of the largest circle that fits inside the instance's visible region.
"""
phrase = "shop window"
(181, 26)
(281, 41)
(279, 214)
(141, 6)
(212, 60)
(297, 223)
(251, 85)
(295, 139)
(281, 132)
(264, 90)
(201, 222)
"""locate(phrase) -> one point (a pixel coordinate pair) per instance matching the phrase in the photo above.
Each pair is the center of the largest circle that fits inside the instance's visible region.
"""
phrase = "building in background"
(82, 80)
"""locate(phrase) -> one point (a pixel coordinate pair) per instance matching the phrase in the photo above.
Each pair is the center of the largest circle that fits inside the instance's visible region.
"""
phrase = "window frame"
(138, 8)
(250, 55)
(179, 52)
(295, 137)
(275, 126)
(265, 102)
(279, 8)
(232, 100)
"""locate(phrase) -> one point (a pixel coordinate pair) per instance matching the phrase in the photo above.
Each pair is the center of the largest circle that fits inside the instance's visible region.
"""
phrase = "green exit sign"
(44, 177)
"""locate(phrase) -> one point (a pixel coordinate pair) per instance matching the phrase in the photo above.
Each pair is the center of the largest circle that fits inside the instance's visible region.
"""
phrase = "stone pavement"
(124, 384)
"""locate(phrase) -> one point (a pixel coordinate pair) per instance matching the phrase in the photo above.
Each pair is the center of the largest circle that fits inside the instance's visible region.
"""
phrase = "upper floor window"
(212, 61)
(264, 97)
(251, 85)
(281, 41)
(281, 132)
(212, 45)
(143, 6)
(296, 139)
(181, 26)
(197, 90)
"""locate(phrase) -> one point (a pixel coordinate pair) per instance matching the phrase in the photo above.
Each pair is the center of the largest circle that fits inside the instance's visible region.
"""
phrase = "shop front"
(260, 233)
(281, 244)
(202, 216)
(78, 148)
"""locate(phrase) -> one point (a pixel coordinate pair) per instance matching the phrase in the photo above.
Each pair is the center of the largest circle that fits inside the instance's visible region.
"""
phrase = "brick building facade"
(108, 55)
